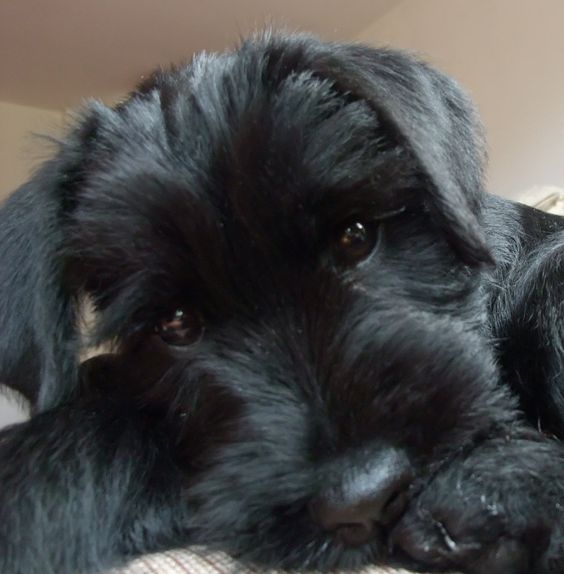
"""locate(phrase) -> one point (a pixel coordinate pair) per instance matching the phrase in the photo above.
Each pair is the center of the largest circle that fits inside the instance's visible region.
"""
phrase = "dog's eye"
(182, 328)
(354, 242)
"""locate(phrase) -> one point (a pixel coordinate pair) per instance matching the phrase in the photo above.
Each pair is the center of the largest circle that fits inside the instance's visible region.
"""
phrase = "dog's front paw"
(438, 536)
(498, 511)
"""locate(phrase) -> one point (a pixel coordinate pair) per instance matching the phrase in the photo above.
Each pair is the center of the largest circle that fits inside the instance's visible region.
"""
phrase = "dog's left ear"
(38, 340)
(435, 119)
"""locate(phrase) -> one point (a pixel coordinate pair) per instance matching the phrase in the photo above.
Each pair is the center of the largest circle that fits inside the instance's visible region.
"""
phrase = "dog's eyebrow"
(373, 197)
(381, 181)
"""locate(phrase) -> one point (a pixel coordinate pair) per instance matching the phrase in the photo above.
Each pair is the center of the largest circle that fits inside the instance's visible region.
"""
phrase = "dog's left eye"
(354, 242)
(182, 328)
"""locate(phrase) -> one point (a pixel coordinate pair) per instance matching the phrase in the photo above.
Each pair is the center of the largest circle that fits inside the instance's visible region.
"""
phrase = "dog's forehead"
(225, 131)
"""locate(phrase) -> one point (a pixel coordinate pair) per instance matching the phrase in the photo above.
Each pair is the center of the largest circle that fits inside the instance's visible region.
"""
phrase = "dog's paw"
(498, 511)
(436, 537)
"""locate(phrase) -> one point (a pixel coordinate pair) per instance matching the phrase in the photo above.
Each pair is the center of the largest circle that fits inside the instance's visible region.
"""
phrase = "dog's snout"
(367, 501)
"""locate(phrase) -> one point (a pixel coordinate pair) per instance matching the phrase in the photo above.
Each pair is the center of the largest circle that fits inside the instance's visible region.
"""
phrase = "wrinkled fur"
(222, 185)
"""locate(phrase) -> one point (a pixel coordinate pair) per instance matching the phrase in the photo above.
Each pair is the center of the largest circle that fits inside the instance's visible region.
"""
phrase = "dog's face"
(285, 243)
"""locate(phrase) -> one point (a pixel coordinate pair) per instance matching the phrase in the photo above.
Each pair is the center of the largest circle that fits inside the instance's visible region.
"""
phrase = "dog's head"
(284, 243)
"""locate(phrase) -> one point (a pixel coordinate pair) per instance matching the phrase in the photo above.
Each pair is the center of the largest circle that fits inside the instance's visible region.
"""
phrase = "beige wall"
(509, 55)
(20, 151)
(506, 53)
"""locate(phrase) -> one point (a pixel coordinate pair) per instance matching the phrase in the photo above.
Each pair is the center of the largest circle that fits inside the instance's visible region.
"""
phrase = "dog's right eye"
(183, 327)
(354, 242)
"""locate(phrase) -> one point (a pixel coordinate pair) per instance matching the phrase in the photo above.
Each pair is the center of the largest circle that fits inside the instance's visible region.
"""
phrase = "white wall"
(19, 152)
(509, 54)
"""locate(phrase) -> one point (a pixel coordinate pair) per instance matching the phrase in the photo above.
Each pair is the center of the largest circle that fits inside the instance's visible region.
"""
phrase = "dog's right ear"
(38, 340)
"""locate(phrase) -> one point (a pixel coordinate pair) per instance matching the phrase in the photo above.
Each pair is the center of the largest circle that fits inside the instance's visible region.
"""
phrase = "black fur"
(223, 186)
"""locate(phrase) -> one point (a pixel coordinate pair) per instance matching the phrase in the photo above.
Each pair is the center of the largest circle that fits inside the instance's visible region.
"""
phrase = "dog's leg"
(500, 508)
(83, 487)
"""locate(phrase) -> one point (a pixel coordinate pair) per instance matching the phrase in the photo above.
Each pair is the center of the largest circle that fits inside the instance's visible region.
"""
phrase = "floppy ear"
(430, 114)
(439, 124)
(38, 343)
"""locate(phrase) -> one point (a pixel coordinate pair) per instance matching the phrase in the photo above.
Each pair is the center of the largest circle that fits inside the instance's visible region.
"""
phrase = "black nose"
(367, 500)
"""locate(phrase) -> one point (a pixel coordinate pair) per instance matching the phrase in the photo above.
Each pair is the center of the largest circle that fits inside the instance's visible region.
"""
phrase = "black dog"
(331, 347)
